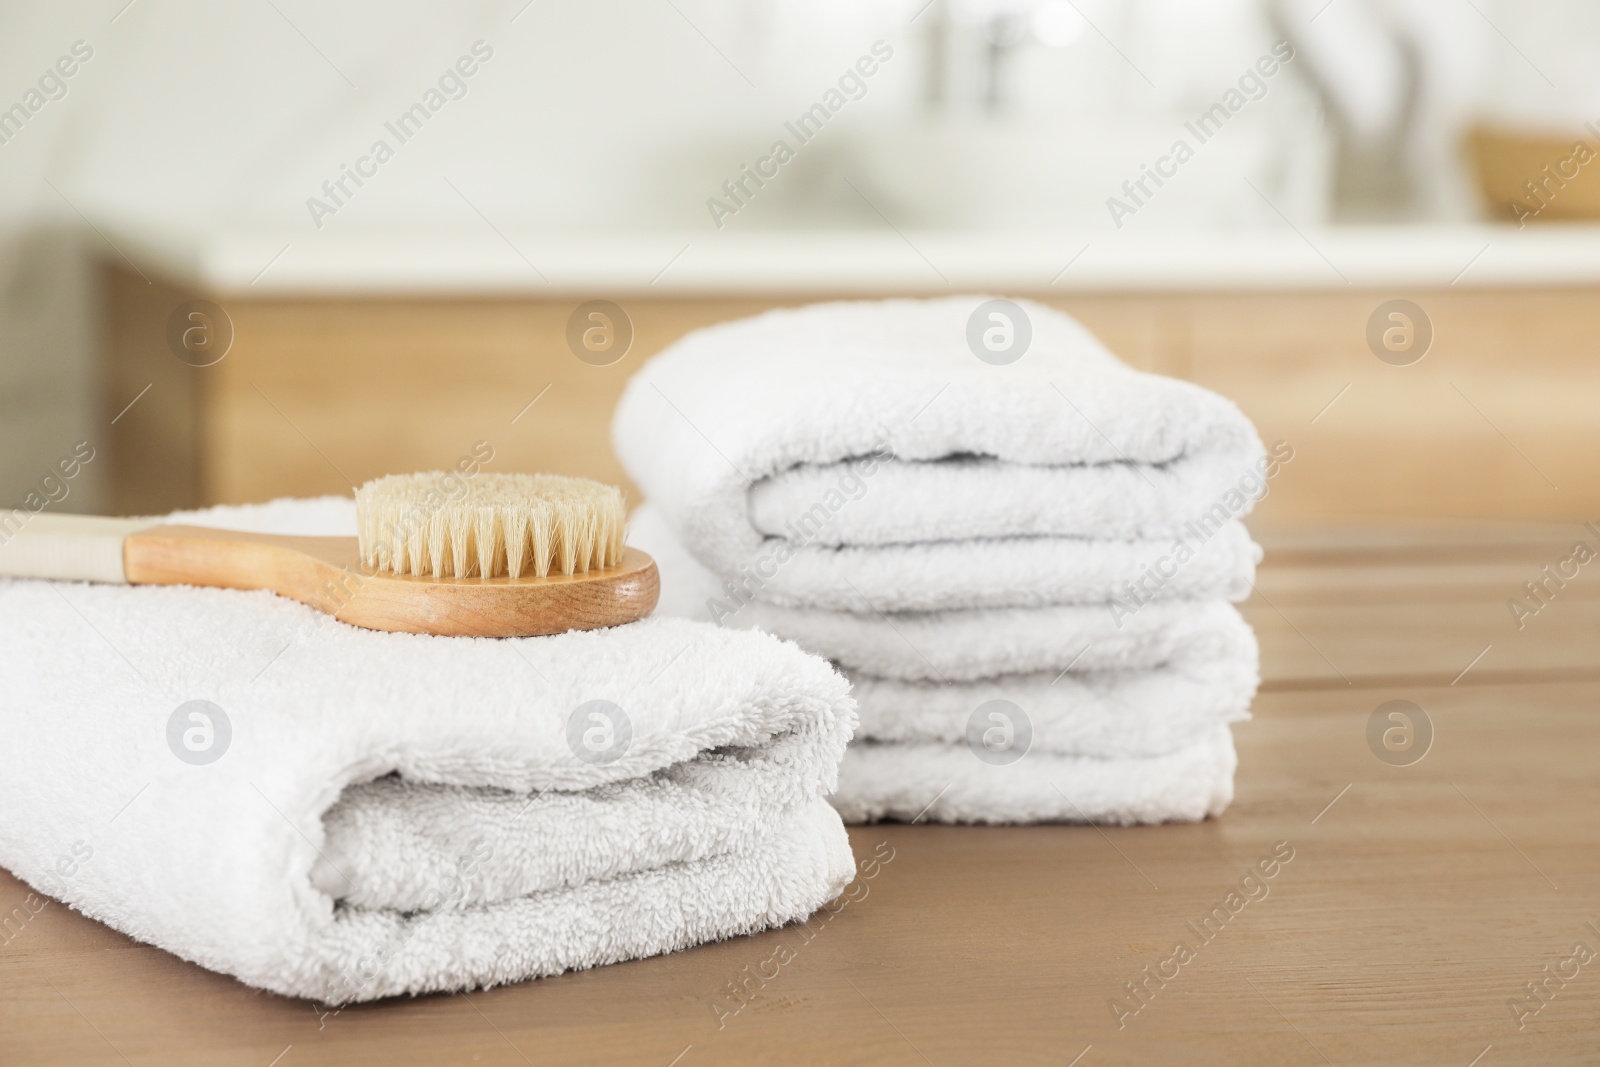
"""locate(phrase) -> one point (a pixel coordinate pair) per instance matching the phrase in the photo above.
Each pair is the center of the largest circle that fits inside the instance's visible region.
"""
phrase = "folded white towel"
(948, 783)
(393, 813)
(862, 451)
(1127, 721)
(1108, 715)
(959, 645)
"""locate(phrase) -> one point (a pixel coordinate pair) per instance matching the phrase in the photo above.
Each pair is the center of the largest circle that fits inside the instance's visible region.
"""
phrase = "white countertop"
(850, 262)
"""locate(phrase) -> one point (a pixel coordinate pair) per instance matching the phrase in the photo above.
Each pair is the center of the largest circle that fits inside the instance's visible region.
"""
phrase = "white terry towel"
(394, 813)
(1095, 684)
(844, 451)
(949, 783)
(1128, 719)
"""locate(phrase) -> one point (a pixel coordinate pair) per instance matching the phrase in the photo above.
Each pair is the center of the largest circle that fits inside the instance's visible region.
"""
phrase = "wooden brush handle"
(326, 573)
(80, 548)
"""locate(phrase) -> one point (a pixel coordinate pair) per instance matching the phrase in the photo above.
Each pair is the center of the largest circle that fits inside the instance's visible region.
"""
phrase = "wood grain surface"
(1419, 902)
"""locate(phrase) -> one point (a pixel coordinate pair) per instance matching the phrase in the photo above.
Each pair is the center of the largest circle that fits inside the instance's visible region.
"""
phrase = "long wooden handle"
(326, 573)
(84, 548)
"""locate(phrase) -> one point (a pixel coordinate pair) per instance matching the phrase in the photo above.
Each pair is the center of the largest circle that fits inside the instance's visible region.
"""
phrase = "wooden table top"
(1419, 903)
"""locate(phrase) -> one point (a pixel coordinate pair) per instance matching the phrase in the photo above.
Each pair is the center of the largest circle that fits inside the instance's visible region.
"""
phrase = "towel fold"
(1110, 715)
(371, 814)
(862, 451)
(947, 783)
(1092, 683)
(1126, 724)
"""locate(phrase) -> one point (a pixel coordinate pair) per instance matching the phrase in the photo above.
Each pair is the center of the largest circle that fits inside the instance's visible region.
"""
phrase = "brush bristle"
(446, 525)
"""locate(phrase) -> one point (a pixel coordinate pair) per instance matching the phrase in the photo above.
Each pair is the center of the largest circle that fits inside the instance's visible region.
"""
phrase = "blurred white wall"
(203, 114)
(616, 114)
(621, 115)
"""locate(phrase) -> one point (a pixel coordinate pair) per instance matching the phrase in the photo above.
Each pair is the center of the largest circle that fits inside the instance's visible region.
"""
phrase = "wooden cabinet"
(1499, 419)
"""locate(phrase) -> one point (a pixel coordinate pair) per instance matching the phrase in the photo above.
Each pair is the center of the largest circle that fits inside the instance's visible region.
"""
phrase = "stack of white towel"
(1026, 567)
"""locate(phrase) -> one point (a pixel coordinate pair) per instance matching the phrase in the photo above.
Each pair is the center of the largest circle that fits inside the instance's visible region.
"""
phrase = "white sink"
(1032, 173)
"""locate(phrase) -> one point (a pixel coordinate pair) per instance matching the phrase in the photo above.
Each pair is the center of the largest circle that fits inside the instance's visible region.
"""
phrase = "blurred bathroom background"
(202, 151)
